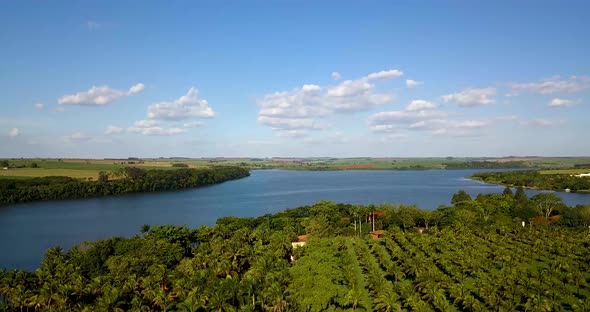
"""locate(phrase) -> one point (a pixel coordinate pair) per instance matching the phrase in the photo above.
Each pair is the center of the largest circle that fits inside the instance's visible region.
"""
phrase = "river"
(27, 230)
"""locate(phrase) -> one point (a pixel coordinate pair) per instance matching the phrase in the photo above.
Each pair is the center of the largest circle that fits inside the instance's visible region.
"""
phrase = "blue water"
(27, 230)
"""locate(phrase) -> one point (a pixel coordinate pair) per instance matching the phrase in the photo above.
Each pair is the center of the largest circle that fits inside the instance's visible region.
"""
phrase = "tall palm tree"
(388, 301)
(276, 301)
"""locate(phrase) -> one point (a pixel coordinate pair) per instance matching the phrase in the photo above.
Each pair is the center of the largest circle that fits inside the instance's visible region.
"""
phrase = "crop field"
(75, 168)
(89, 168)
(43, 172)
(565, 171)
(525, 270)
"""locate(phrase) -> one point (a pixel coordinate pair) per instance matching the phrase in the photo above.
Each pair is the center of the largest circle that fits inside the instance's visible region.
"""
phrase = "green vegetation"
(535, 179)
(472, 256)
(89, 168)
(127, 180)
(44, 172)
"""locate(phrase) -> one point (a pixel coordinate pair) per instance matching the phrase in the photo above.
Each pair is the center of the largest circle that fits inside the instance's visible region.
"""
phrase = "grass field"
(43, 172)
(89, 168)
(565, 171)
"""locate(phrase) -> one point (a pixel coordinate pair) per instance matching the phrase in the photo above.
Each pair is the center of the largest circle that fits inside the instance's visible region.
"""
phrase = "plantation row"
(458, 270)
(470, 257)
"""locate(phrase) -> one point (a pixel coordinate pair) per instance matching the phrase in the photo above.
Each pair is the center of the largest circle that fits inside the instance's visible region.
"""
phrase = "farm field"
(446, 270)
(565, 171)
(44, 172)
(74, 168)
(89, 168)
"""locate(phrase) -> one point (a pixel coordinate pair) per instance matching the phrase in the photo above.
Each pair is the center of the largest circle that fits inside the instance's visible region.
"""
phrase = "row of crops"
(461, 270)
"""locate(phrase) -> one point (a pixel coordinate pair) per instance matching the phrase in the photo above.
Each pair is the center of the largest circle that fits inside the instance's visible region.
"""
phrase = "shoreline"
(586, 192)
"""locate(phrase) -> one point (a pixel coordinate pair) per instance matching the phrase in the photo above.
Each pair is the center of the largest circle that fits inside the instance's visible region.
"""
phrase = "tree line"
(534, 179)
(123, 181)
(485, 165)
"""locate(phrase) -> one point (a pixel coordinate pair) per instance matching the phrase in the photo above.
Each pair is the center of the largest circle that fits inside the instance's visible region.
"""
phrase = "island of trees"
(536, 180)
(472, 256)
(126, 180)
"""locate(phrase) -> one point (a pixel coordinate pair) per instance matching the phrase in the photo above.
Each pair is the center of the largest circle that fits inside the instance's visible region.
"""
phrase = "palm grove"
(474, 255)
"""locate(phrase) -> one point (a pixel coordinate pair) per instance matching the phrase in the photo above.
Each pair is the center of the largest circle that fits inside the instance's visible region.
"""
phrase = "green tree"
(546, 203)
(520, 196)
(407, 216)
(459, 197)
(583, 212)
(103, 177)
(508, 192)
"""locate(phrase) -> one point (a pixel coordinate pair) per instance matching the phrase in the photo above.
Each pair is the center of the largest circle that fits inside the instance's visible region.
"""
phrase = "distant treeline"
(485, 165)
(534, 179)
(130, 180)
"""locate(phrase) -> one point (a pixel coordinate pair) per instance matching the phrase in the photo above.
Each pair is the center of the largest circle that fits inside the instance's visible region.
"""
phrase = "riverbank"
(536, 180)
(128, 180)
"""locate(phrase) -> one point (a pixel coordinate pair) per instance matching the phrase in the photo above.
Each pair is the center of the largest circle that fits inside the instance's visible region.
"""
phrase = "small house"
(377, 234)
(301, 239)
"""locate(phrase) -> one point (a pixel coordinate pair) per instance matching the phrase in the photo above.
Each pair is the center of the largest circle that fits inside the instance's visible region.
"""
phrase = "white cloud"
(152, 127)
(472, 97)
(336, 76)
(431, 121)
(14, 132)
(78, 137)
(555, 85)
(288, 123)
(156, 130)
(187, 106)
(300, 107)
(398, 120)
(350, 88)
(39, 106)
(413, 83)
(60, 109)
(385, 74)
(98, 96)
(420, 105)
(136, 88)
(192, 124)
(561, 102)
(145, 124)
(544, 123)
(113, 130)
(311, 88)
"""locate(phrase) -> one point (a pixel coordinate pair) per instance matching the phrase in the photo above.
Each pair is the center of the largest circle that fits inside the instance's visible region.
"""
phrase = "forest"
(123, 181)
(474, 255)
(535, 179)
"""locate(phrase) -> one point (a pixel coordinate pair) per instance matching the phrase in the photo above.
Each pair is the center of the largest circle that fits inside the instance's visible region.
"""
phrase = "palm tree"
(192, 303)
(275, 299)
(388, 301)
(218, 302)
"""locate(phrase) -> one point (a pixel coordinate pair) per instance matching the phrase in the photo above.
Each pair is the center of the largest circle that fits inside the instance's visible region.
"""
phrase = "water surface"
(27, 230)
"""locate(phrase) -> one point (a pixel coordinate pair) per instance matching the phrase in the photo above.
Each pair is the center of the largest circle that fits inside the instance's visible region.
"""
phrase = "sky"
(96, 79)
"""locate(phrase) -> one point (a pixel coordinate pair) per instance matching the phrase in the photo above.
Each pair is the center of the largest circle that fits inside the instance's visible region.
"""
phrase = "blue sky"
(285, 78)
